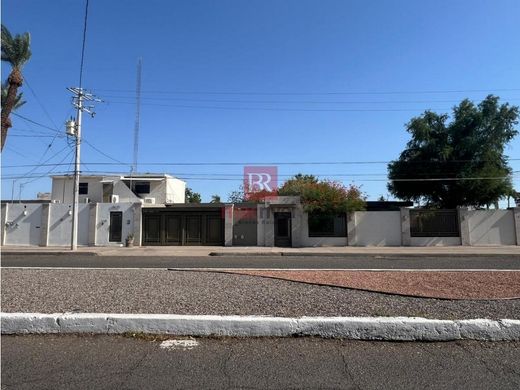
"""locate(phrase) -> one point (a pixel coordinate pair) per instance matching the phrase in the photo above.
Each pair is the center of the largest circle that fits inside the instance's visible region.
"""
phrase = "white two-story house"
(147, 188)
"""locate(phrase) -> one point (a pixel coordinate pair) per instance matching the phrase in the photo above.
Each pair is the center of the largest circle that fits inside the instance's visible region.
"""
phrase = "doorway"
(282, 229)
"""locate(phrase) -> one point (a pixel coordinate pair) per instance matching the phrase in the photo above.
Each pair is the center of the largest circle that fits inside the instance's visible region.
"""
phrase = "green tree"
(215, 199)
(16, 51)
(237, 196)
(323, 196)
(192, 196)
(468, 151)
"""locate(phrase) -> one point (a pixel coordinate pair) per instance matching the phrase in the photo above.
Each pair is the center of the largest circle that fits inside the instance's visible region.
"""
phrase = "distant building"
(149, 189)
(44, 196)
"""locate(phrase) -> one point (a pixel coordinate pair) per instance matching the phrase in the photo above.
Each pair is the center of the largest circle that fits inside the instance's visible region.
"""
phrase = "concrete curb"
(374, 254)
(47, 253)
(355, 328)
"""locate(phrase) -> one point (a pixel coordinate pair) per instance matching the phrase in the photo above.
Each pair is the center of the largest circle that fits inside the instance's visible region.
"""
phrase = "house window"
(325, 225)
(142, 187)
(83, 188)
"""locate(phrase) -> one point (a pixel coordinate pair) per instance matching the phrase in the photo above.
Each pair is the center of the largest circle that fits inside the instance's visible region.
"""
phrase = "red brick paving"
(443, 284)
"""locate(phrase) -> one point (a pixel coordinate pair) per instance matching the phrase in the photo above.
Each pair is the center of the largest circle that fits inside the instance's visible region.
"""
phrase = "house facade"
(148, 189)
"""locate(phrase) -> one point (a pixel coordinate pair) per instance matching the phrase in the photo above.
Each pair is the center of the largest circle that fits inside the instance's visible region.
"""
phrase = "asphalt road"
(279, 262)
(107, 362)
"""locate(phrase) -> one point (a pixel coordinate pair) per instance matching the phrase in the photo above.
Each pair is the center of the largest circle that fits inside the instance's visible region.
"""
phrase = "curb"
(376, 255)
(45, 253)
(355, 328)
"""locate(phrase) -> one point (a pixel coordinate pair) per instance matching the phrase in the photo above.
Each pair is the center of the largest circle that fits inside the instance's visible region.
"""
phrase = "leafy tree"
(295, 185)
(192, 197)
(237, 196)
(457, 163)
(215, 199)
(16, 51)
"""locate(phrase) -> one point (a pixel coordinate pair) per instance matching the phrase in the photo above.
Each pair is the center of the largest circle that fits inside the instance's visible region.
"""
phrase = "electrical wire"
(315, 93)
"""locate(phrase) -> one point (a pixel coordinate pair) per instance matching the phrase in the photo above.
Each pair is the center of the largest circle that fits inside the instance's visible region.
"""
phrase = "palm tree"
(215, 199)
(18, 101)
(16, 51)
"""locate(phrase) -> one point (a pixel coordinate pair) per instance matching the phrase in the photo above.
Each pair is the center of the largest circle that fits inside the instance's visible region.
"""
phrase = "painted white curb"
(356, 328)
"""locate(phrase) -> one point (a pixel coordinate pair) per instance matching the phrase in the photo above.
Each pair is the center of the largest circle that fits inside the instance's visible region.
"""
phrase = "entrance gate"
(186, 227)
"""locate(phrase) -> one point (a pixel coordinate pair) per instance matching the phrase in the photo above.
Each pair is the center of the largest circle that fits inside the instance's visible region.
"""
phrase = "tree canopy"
(321, 196)
(192, 196)
(459, 162)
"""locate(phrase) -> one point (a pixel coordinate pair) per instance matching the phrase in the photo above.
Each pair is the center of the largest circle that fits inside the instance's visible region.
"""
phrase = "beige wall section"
(491, 227)
(228, 224)
(376, 228)
(175, 190)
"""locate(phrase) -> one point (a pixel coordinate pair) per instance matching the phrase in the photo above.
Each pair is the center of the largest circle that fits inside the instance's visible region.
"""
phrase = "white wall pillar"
(92, 224)
(44, 225)
(4, 211)
(406, 238)
(463, 216)
(351, 229)
(516, 214)
(228, 210)
(138, 223)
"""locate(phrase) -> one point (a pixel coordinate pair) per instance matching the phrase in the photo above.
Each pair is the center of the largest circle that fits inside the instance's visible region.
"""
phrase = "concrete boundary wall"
(37, 224)
(50, 224)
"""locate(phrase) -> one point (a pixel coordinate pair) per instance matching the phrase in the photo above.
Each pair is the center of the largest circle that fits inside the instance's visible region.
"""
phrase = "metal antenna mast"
(137, 115)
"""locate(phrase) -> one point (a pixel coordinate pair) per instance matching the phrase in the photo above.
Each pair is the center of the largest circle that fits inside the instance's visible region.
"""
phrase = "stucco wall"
(491, 227)
(23, 229)
(375, 228)
(103, 223)
(60, 224)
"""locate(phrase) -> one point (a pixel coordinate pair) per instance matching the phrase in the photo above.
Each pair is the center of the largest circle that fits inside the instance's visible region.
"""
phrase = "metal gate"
(183, 227)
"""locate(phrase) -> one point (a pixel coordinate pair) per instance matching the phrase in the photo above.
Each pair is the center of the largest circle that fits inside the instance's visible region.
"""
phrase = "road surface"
(505, 262)
(108, 362)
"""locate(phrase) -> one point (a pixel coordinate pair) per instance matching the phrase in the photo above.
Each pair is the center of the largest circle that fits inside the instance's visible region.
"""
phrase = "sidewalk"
(202, 251)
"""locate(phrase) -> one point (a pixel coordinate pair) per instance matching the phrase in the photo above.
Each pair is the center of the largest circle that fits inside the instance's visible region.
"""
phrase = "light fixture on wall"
(69, 212)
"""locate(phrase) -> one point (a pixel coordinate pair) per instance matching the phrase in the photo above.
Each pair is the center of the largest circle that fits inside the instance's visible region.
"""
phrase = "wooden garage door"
(182, 227)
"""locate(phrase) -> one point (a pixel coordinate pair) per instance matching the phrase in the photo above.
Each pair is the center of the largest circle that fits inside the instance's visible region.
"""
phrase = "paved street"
(356, 261)
(106, 362)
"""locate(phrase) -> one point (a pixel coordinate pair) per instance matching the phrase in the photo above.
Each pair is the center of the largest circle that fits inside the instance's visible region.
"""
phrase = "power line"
(36, 123)
(287, 109)
(317, 93)
(236, 163)
(103, 153)
(83, 46)
(292, 101)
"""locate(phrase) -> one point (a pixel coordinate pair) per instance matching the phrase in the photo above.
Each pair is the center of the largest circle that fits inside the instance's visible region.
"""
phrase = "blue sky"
(253, 81)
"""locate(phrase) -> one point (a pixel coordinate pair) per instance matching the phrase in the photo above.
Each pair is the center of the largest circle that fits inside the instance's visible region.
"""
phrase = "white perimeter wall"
(375, 228)
(60, 224)
(21, 229)
(103, 222)
(51, 224)
(491, 227)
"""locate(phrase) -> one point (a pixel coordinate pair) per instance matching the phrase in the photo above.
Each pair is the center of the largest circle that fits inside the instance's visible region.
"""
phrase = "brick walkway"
(446, 285)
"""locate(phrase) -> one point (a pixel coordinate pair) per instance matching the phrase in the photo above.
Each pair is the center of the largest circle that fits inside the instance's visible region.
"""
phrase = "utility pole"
(73, 128)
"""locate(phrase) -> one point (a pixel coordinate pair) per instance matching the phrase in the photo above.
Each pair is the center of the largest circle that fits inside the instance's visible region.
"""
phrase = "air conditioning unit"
(149, 200)
(114, 199)
(85, 200)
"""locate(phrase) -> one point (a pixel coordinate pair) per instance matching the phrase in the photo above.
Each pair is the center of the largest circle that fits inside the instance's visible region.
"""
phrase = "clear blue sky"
(254, 81)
